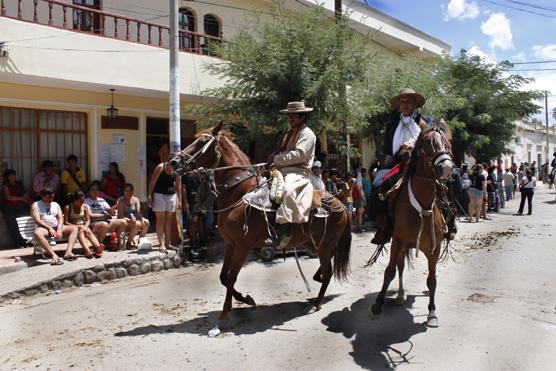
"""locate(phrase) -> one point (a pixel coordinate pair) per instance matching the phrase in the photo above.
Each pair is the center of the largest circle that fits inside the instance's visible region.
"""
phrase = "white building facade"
(530, 144)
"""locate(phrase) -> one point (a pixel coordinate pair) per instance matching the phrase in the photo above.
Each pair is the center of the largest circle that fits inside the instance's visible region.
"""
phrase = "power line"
(536, 6)
(536, 62)
(520, 9)
(535, 69)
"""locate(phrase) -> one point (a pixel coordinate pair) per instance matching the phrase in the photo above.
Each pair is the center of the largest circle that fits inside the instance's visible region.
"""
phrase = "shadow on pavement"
(384, 343)
(243, 320)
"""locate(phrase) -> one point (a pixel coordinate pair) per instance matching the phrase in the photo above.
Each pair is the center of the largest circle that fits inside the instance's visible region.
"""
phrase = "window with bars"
(29, 136)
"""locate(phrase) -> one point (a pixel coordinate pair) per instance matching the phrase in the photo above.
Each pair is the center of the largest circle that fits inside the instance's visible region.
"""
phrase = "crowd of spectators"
(352, 188)
(67, 206)
(486, 187)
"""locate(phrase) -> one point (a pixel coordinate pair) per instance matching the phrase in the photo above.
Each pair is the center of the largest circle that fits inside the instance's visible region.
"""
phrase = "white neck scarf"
(406, 132)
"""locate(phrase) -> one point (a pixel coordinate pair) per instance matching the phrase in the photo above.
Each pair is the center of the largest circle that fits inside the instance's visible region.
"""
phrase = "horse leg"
(432, 320)
(326, 274)
(236, 264)
(318, 275)
(226, 265)
(400, 299)
(389, 274)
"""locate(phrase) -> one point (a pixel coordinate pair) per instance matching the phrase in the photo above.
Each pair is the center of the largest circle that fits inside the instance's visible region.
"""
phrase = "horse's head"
(434, 151)
(202, 153)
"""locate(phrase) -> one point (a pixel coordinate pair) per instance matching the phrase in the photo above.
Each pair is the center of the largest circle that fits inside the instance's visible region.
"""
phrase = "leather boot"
(283, 234)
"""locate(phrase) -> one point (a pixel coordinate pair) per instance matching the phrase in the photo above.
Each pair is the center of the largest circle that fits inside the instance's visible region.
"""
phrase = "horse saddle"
(260, 199)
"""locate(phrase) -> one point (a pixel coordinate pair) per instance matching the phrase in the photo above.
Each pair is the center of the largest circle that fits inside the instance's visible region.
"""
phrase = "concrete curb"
(99, 273)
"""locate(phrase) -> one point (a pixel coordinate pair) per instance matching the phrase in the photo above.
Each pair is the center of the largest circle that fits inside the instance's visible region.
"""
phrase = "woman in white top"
(527, 185)
(47, 215)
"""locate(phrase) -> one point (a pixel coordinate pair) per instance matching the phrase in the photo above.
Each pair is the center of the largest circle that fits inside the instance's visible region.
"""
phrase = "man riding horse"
(399, 140)
(295, 160)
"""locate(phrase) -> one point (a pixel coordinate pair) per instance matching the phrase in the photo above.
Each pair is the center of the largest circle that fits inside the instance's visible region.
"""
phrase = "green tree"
(491, 99)
(303, 55)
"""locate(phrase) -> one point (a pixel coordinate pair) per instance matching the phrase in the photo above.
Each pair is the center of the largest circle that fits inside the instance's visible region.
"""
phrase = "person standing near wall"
(509, 180)
(73, 179)
(164, 195)
(527, 186)
(477, 191)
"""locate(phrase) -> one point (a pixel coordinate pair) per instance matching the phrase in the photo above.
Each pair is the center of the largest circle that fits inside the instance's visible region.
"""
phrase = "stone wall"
(101, 273)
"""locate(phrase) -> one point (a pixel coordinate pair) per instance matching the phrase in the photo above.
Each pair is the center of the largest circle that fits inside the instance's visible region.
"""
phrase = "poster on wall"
(111, 153)
(141, 154)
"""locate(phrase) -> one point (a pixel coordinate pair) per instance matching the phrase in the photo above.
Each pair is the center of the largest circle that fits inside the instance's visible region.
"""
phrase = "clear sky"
(514, 30)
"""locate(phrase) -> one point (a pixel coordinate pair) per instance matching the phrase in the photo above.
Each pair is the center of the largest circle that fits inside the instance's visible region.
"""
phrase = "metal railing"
(96, 22)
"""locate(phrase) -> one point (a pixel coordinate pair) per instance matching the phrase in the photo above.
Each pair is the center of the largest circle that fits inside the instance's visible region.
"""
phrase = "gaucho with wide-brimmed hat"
(399, 139)
(294, 160)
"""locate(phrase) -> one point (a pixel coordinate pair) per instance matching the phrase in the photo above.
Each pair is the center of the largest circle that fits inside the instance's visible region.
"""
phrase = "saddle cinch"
(268, 198)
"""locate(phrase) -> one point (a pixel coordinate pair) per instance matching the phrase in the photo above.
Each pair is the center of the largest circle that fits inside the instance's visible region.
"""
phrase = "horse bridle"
(192, 159)
(438, 158)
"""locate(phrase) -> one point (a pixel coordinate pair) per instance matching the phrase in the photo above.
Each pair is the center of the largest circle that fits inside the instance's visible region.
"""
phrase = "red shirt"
(357, 192)
(113, 187)
(16, 190)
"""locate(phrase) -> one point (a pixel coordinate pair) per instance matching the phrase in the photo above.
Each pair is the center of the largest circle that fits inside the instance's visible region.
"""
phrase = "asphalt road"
(495, 303)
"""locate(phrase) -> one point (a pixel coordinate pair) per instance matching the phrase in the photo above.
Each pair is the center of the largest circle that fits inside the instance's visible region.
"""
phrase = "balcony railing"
(82, 19)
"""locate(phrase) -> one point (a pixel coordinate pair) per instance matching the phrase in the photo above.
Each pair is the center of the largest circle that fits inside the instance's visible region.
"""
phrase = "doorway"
(87, 21)
(158, 139)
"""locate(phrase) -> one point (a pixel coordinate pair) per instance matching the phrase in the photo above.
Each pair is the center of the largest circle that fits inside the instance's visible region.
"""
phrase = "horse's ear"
(217, 128)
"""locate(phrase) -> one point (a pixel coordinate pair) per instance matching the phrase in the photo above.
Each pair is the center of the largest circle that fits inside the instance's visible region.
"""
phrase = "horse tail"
(342, 251)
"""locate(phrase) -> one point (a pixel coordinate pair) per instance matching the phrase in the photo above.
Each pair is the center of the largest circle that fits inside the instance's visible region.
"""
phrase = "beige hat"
(296, 107)
(419, 99)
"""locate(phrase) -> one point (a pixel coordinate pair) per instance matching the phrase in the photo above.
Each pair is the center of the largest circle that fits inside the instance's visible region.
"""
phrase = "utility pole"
(174, 93)
(546, 118)
(174, 127)
(342, 92)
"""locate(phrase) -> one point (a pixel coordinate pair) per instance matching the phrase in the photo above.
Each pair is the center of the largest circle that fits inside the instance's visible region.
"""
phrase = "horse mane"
(228, 146)
(411, 169)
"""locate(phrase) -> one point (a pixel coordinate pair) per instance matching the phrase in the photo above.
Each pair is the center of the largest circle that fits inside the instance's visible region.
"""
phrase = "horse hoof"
(214, 332)
(372, 316)
(400, 300)
(249, 300)
(432, 321)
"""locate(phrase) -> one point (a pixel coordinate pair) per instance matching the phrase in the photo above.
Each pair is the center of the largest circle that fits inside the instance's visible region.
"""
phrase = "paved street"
(495, 303)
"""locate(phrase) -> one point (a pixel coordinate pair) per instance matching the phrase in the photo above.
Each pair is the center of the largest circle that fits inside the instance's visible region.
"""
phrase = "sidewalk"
(33, 274)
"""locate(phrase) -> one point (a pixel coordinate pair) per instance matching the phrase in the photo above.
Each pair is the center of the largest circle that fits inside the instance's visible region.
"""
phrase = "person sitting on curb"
(102, 220)
(129, 209)
(78, 214)
(49, 222)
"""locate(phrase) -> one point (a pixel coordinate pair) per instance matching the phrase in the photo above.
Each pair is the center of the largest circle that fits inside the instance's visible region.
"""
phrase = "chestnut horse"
(418, 219)
(243, 227)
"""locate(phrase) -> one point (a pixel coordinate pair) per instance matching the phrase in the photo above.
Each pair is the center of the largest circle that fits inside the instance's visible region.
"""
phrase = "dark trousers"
(526, 193)
(10, 214)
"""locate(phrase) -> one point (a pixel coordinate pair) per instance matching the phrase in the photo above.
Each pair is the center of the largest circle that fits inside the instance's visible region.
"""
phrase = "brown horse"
(418, 219)
(243, 227)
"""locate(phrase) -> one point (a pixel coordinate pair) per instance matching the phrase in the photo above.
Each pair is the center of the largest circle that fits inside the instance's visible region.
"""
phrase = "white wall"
(62, 55)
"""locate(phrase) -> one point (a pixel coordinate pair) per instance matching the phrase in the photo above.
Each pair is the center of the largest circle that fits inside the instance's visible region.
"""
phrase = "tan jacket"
(299, 157)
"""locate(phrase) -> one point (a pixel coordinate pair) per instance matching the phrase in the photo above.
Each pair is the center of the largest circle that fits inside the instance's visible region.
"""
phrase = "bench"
(26, 226)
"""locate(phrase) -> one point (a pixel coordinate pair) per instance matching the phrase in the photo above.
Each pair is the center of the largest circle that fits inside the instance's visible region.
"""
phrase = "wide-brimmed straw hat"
(407, 92)
(296, 107)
